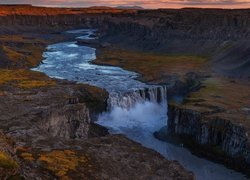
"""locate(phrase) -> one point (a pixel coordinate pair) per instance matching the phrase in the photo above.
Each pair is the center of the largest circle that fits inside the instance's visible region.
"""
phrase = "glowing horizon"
(149, 4)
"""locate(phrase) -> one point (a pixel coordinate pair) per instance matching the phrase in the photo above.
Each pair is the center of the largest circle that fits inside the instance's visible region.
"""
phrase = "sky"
(144, 3)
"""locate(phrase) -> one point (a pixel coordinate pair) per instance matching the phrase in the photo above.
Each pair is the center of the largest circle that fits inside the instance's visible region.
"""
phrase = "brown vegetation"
(8, 165)
(231, 97)
(24, 79)
(62, 162)
(22, 51)
(42, 11)
(153, 67)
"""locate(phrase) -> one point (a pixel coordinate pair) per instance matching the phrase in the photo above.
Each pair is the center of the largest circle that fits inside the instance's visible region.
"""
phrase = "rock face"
(59, 112)
(231, 138)
(123, 159)
(217, 34)
(71, 121)
(186, 24)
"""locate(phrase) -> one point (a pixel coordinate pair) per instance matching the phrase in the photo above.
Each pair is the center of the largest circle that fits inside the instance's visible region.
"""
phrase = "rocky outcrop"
(46, 23)
(70, 121)
(185, 24)
(211, 132)
(57, 112)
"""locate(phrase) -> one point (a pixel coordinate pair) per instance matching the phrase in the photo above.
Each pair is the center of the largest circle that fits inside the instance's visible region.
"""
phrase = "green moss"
(62, 162)
(7, 162)
(152, 66)
(24, 79)
(26, 54)
(16, 177)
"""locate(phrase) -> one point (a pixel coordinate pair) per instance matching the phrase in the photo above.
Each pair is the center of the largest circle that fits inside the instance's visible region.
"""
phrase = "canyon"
(200, 55)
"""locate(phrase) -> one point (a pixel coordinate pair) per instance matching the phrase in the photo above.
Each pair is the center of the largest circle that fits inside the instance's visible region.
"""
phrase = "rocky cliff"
(14, 24)
(57, 112)
(214, 33)
(226, 140)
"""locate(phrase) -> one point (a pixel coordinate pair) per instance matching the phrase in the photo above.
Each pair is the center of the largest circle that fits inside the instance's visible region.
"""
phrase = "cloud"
(145, 3)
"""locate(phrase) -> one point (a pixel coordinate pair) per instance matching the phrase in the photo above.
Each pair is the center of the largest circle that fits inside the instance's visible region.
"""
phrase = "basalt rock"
(56, 112)
(221, 35)
(228, 139)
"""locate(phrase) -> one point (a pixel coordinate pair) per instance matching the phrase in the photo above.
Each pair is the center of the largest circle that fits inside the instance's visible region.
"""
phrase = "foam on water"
(142, 120)
(147, 115)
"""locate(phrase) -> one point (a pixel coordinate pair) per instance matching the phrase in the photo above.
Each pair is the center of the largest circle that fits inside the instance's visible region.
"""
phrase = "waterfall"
(127, 100)
(137, 113)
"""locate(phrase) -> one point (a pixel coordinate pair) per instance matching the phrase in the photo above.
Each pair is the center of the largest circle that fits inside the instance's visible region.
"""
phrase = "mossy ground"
(24, 79)
(230, 97)
(45, 11)
(62, 164)
(153, 67)
(22, 51)
(7, 162)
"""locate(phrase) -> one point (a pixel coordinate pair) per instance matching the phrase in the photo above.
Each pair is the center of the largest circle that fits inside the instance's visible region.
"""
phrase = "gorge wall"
(215, 33)
(56, 112)
(226, 140)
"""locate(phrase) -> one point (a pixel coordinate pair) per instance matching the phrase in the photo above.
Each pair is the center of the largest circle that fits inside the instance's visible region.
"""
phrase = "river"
(136, 109)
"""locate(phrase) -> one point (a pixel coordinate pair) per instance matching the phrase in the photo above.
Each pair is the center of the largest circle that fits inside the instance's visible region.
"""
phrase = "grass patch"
(25, 79)
(230, 96)
(11, 54)
(61, 162)
(22, 51)
(153, 67)
(48, 11)
(27, 156)
(7, 162)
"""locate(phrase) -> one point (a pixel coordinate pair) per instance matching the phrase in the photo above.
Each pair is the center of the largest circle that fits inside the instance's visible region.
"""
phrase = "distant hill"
(100, 7)
(129, 7)
(21, 5)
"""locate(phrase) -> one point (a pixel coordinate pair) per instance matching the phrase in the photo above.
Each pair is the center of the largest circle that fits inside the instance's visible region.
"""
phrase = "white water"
(140, 121)
(133, 113)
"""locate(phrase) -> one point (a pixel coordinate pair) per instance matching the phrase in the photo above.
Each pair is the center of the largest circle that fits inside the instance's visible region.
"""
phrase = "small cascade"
(127, 100)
